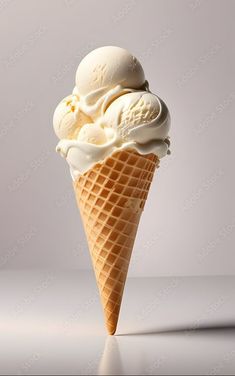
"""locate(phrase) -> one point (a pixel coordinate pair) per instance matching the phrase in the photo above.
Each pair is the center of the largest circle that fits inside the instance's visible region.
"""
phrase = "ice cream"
(68, 118)
(113, 131)
(106, 67)
(111, 109)
(139, 116)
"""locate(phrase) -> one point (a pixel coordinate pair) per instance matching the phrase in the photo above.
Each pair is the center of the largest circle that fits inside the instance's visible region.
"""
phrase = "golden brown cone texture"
(111, 198)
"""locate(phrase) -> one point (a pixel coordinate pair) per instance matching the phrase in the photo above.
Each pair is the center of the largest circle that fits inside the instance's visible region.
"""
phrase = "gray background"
(187, 51)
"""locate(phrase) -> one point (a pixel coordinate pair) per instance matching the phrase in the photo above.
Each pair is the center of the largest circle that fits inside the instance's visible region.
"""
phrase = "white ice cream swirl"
(110, 109)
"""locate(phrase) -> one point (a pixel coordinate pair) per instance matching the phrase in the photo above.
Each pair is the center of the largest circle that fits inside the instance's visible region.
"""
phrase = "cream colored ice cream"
(110, 109)
(107, 67)
(139, 116)
(68, 118)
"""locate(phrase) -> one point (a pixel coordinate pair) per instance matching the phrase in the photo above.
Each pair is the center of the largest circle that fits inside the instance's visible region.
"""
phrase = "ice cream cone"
(111, 198)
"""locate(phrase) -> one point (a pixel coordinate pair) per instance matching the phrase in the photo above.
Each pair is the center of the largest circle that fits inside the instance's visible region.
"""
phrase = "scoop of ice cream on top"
(106, 67)
(110, 109)
(105, 74)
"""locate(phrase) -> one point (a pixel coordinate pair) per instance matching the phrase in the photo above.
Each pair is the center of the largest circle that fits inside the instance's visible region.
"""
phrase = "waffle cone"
(111, 198)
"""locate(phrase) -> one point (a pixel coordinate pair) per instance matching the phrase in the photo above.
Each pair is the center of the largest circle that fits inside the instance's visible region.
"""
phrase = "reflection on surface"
(111, 362)
(56, 326)
(203, 350)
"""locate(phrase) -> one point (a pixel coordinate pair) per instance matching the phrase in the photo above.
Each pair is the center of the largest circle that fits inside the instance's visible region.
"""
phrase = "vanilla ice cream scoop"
(141, 116)
(68, 118)
(111, 109)
(106, 67)
(105, 74)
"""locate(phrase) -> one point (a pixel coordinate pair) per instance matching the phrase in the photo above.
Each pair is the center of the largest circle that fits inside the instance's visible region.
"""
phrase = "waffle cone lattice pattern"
(111, 198)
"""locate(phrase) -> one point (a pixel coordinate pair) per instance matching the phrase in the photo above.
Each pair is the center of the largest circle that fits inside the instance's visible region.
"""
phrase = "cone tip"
(111, 331)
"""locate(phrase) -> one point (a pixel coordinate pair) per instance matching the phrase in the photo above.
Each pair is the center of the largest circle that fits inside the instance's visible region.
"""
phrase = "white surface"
(51, 323)
(186, 49)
